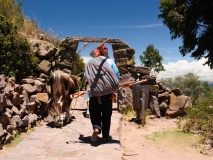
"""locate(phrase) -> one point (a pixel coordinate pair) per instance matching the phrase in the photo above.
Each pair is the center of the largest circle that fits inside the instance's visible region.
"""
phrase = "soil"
(143, 143)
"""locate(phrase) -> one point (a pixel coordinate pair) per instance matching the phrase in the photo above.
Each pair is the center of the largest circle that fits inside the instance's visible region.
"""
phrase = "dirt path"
(71, 142)
(129, 142)
(141, 144)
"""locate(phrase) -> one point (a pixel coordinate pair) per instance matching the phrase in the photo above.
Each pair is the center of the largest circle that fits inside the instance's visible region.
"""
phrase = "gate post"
(140, 101)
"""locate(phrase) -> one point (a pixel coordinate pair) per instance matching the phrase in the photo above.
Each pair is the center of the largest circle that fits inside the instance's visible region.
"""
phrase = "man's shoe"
(107, 139)
(94, 136)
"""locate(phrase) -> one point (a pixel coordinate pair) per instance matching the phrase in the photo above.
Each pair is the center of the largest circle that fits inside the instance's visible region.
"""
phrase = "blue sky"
(135, 22)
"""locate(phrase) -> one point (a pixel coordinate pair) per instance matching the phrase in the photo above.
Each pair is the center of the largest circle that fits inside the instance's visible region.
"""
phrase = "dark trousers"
(100, 114)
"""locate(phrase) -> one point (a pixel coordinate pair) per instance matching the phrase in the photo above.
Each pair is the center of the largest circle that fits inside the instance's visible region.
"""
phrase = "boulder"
(177, 105)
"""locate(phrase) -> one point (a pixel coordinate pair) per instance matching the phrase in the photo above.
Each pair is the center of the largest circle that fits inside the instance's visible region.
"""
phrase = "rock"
(10, 129)
(1, 131)
(2, 85)
(1, 108)
(118, 46)
(154, 107)
(8, 138)
(127, 62)
(9, 89)
(67, 44)
(177, 91)
(18, 88)
(3, 78)
(153, 88)
(43, 76)
(43, 48)
(177, 105)
(38, 88)
(31, 107)
(123, 53)
(32, 118)
(140, 69)
(3, 101)
(11, 81)
(24, 96)
(16, 121)
(29, 88)
(177, 102)
(38, 82)
(4, 119)
(43, 97)
(163, 96)
(34, 98)
(44, 67)
(25, 121)
(28, 81)
(16, 110)
(65, 59)
(9, 111)
(163, 106)
(23, 110)
(16, 100)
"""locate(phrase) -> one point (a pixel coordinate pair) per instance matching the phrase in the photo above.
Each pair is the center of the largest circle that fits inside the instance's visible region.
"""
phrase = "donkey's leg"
(67, 109)
(60, 104)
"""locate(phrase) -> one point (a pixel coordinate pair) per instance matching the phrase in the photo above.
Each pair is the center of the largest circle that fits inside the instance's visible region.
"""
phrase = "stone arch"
(124, 58)
(122, 53)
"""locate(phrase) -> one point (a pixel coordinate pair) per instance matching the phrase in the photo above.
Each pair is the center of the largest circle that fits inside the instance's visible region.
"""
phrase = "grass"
(128, 113)
(175, 139)
(15, 141)
(19, 138)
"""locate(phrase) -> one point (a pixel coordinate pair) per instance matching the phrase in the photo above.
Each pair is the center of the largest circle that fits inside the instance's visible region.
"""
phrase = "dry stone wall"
(21, 105)
(24, 104)
(162, 101)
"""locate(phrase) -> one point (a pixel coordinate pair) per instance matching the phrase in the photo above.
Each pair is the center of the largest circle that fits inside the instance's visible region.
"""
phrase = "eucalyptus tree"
(192, 21)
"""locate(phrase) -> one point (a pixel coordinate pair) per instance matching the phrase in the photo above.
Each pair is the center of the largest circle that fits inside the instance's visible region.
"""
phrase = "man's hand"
(101, 47)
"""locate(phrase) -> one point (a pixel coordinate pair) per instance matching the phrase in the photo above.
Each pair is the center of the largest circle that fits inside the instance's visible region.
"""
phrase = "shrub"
(199, 119)
(12, 10)
(15, 54)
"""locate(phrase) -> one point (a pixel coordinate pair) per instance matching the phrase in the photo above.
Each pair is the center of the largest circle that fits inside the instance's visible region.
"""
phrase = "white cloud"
(142, 26)
(182, 67)
(135, 26)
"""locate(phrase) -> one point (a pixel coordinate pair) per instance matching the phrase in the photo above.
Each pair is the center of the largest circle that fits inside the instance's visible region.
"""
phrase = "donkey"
(62, 86)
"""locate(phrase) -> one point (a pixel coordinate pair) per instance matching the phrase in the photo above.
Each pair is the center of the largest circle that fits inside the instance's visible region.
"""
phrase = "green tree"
(79, 65)
(168, 82)
(16, 58)
(191, 86)
(152, 58)
(192, 21)
(78, 69)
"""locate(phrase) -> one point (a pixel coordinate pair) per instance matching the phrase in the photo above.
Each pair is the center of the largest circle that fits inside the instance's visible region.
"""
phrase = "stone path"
(69, 142)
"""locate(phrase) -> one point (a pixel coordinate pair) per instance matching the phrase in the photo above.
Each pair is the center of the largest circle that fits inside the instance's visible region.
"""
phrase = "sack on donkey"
(101, 77)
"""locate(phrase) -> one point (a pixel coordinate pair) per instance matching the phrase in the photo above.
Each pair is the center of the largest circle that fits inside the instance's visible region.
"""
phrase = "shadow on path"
(98, 142)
